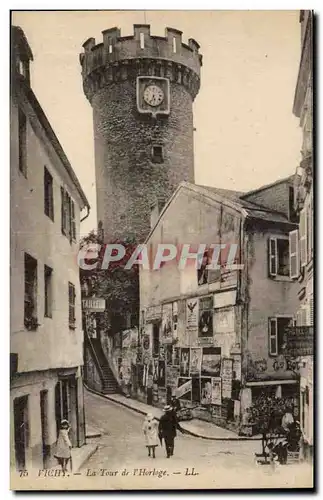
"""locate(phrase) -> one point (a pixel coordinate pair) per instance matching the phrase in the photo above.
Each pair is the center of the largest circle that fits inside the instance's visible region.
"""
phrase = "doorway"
(21, 426)
(44, 426)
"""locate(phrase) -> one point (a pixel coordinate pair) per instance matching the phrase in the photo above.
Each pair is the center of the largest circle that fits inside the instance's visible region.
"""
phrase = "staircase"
(109, 383)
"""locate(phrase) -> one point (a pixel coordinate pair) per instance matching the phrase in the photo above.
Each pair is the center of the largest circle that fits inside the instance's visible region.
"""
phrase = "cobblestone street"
(215, 464)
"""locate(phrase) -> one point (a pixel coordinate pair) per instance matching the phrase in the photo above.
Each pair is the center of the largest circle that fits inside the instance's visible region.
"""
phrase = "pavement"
(196, 427)
(121, 461)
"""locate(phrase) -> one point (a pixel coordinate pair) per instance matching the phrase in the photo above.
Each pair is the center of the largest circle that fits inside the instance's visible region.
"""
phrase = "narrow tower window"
(142, 41)
(157, 154)
(174, 45)
(110, 46)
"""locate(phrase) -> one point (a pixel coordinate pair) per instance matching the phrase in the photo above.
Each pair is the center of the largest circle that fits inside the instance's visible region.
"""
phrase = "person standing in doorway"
(167, 430)
(63, 446)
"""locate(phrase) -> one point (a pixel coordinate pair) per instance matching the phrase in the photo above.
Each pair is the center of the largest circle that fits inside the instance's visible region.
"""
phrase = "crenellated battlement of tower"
(119, 58)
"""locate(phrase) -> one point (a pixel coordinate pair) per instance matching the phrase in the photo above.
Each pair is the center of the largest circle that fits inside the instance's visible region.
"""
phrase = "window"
(30, 315)
(142, 40)
(202, 272)
(110, 46)
(302, 316)
(311, 310)
(71, 305)
(277, 328)
(48, 194)
(157, 155)
(174, 45)
(303, 237)
(68, 222)
(48, 291)
(293, 254)
(278, 257)
(22, 126)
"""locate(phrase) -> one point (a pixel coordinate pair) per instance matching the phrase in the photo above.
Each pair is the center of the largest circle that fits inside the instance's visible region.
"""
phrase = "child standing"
(63, 446)
(150, 429)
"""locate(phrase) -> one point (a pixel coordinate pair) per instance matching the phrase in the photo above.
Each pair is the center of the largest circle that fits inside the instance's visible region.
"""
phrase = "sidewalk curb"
(191, 433)
(95, 449)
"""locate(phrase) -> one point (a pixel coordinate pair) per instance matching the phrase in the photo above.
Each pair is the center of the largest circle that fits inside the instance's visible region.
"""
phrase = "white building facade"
(46, 343)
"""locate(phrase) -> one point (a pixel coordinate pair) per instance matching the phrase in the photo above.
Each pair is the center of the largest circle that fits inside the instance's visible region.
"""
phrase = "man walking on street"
(167, 429)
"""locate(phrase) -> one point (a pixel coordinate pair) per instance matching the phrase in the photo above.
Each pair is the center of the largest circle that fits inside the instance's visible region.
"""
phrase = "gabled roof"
(268, 186)
(230, 198)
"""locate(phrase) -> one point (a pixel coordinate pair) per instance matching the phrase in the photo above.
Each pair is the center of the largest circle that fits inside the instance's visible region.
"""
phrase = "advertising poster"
(192, 315)
(211, 362)
(167, 321)
(176, 356)
(172, 376)
(185, 362)
(216, 391)
(206, 390)
(205, 325)
(195, 361)
(196, 389)
(184, 390)
(161, 373)
(169, 354)
(226, 376)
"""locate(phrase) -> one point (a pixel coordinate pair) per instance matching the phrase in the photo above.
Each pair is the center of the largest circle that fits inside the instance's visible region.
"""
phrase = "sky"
(246, 134)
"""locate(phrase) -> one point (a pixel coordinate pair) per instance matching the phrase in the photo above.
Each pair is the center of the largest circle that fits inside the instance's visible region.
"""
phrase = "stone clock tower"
(141, 89)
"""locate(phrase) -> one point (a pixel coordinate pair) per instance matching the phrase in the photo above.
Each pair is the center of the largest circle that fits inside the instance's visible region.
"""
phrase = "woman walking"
(64, 446)
(150, 429)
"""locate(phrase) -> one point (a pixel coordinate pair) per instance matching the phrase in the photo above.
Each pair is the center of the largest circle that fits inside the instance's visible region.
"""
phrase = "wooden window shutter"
(302, 237)
(73, 222)
(293, 254)
(63, 219)
(311, 311)
(272, 256)
(273, 347)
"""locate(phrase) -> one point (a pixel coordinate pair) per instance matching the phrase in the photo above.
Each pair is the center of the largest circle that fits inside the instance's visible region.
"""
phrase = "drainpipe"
(87, 214)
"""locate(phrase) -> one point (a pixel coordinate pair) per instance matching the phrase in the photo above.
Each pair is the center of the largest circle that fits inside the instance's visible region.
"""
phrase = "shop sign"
(94, 305)
(299, 341)
(153, 313)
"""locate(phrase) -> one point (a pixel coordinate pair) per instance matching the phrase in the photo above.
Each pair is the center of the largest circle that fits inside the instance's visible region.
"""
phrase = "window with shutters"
(293, 254)
(278, 257)
(22, 142)
(68, 215)
(48, 195)
(311, 310)
(48, 272)
(63, 212)
(302, 316)
(30, 313)
(302, 237)
(277, 326)
(71, 305)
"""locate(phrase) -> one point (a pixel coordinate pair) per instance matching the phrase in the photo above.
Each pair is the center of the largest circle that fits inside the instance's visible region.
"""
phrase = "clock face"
(153, 95)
